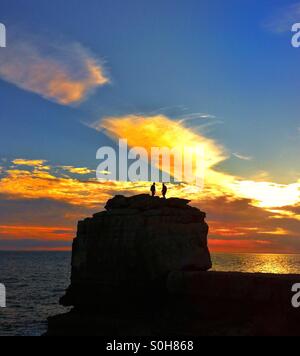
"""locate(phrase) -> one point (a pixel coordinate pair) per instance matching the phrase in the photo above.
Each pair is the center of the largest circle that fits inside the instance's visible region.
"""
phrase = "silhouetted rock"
(145, 202)
(136, 243)
(139, 269)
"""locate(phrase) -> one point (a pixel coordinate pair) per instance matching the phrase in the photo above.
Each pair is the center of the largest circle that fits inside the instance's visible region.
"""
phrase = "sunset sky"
(78, 75)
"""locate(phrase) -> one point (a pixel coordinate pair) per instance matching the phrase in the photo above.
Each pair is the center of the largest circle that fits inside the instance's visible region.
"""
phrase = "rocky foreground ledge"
(139, 268)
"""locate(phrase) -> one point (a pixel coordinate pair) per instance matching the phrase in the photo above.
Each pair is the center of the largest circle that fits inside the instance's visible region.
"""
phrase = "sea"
(35, 281)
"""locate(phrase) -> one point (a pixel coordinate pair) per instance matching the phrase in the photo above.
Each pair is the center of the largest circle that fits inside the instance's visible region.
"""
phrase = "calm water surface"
(34, 283)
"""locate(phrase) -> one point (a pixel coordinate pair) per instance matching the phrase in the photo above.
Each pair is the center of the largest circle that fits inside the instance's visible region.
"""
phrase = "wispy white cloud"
(242, 157)
(195, 117)
(65, 74)
(283, 19)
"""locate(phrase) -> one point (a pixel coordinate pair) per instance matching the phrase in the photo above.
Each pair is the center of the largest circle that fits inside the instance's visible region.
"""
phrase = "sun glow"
(269, 195)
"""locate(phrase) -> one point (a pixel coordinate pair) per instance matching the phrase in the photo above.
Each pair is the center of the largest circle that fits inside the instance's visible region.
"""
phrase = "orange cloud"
(36, 232)
(65, 74)
(236, 225)
(78, 170)
(37, 184)
(161, 131)
(29, 162)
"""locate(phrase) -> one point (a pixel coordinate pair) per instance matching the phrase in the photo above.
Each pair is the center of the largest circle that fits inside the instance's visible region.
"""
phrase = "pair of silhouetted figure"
(163, 191)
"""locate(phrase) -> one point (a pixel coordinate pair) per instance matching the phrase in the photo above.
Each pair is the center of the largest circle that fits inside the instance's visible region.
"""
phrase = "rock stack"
(134, 244)
(121, 260)
(139, 268)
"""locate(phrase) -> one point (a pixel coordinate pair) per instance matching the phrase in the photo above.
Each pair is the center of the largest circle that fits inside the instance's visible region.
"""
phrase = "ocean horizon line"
(212, 252)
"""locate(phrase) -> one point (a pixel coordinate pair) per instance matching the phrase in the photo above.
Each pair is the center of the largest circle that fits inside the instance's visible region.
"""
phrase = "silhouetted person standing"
(164, 190)
(153, 189)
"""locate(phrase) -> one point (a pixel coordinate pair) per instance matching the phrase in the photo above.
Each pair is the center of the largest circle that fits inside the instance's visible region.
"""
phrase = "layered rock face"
(136, 243)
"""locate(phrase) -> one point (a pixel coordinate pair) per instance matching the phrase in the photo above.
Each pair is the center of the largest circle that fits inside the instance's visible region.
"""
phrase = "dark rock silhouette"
(137, 242)
(140, 269)
(145, 202)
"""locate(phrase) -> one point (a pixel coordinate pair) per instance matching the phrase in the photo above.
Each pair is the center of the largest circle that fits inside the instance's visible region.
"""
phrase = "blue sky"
(230, 59)
(211, 57)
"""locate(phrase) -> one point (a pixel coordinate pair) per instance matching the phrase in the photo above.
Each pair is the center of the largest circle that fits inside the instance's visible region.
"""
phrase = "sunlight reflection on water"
(268, 263)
